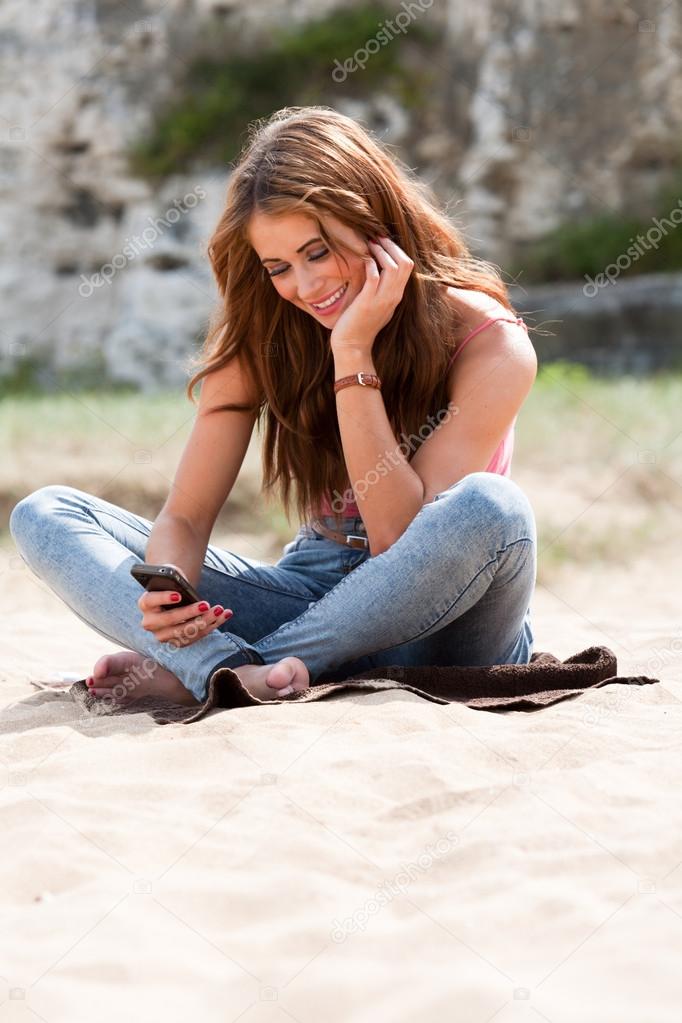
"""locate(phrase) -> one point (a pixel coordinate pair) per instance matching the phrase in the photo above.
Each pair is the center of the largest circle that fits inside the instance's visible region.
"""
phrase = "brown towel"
(499, 687)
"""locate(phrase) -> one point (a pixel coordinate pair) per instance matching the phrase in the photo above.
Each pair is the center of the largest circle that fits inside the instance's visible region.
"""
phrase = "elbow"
(375, 549)
(393, 530)
(379, 545)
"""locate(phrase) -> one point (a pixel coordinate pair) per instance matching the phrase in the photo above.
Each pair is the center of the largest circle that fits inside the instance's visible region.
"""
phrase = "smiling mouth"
(330, 302)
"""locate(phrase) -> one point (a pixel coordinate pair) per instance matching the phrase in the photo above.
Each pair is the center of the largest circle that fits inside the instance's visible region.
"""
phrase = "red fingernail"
(203, 606)
(91, 681)
(218, 611)
(175, 596)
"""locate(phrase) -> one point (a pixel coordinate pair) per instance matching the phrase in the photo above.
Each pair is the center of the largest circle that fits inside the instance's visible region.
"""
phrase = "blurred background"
(552, 133)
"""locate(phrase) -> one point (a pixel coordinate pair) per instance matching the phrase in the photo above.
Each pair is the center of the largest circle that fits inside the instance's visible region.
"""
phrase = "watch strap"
(364, 379)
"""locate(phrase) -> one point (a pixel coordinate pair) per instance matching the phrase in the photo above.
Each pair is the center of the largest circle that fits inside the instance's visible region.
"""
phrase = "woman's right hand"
(182, 625)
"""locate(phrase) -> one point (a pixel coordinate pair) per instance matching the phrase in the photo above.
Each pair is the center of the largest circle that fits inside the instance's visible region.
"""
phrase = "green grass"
(580, 416)
(219, 88)
(601, 459)
(571, 409)
(121, 446)
(33, 374)
(85, 418)
(575, 436)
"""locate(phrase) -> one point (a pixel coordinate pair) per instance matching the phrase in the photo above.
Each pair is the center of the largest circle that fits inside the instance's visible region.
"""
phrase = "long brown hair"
(316, 161)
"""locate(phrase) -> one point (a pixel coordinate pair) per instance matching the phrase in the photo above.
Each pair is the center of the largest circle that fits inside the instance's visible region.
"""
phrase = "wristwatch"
(365, 379)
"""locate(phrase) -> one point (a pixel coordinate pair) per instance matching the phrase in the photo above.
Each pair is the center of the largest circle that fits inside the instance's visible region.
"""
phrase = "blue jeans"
(454, 589)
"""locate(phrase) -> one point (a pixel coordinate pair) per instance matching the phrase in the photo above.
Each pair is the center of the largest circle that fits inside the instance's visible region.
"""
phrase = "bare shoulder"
(472, 309)
(231, 383)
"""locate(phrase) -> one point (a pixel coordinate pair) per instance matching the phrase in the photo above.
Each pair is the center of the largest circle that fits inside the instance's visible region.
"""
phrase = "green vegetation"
(121, 445)
(220, 88)
(601, 460)
(86, 418)
(33, 375)
(590, 246)
(575, 415)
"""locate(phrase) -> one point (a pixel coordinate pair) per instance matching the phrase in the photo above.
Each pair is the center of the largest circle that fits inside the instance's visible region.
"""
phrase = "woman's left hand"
(359, 324)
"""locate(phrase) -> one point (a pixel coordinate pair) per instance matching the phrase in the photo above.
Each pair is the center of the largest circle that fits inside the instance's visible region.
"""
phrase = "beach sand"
(373, 858)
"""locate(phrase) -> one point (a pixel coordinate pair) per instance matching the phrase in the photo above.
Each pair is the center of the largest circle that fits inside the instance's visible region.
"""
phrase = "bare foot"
(128, 676)
(270, 681)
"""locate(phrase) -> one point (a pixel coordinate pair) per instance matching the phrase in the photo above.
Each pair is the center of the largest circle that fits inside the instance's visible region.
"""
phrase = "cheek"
(353, 270)
(358, 272)
(283, 289)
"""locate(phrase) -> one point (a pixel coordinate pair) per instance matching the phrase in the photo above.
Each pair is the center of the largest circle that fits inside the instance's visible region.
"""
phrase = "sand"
(376, 858)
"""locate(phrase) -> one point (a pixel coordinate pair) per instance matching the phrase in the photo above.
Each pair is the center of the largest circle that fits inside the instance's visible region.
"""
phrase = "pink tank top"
(502, 456)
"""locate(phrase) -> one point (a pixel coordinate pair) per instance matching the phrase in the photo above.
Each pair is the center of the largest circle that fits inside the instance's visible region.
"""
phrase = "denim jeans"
(454, 588)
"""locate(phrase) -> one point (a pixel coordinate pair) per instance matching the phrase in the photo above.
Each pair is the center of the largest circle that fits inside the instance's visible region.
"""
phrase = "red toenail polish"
(175, 596)
(218, 611)
(203, 606)
(91, 681)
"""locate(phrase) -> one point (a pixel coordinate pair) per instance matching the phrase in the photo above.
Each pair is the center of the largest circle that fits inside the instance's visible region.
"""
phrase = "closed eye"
(315, 255)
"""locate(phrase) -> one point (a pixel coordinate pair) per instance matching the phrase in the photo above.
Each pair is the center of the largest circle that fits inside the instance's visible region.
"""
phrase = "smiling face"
(302, 268)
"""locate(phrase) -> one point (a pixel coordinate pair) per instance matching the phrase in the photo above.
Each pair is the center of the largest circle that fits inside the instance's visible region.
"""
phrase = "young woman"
(347, 304)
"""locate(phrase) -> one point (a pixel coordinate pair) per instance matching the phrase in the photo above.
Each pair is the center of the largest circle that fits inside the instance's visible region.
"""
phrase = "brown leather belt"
(347, 539)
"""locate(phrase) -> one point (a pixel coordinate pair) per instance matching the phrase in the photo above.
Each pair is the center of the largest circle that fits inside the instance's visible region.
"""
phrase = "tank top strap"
(493, 319)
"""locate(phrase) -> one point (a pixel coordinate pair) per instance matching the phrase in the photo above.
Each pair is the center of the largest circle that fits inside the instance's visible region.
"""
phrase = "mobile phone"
(163, 577)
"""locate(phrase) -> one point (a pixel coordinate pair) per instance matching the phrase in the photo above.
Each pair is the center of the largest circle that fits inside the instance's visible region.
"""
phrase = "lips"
(340, 292)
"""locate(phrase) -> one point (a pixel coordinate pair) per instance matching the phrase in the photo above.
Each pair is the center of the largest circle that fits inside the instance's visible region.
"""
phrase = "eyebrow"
(302, 247)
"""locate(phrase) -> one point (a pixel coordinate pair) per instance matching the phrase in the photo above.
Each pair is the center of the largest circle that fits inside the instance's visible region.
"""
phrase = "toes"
(104, 683)
(300, 678)
(109, 667)
(107, 694)
(287, 676)
(280, 675)
(112, 687)
(113, 666)
(101, 668)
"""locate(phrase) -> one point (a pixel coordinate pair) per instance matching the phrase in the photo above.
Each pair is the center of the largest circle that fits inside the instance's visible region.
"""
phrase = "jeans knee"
(32, 510)
(497, 500)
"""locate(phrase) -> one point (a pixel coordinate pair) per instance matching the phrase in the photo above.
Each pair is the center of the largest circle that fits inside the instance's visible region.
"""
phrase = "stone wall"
(541, 112)
(633, 327)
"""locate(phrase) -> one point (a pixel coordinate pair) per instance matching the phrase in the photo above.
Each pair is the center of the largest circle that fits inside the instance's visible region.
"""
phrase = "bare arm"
(388, 491)
(173, 541)
(206, 473)
(493, 380)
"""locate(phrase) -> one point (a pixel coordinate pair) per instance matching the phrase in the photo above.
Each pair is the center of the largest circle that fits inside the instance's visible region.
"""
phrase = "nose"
(310, 284)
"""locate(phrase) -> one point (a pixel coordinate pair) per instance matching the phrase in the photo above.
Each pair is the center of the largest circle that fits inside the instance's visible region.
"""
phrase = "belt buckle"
(362, 541)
